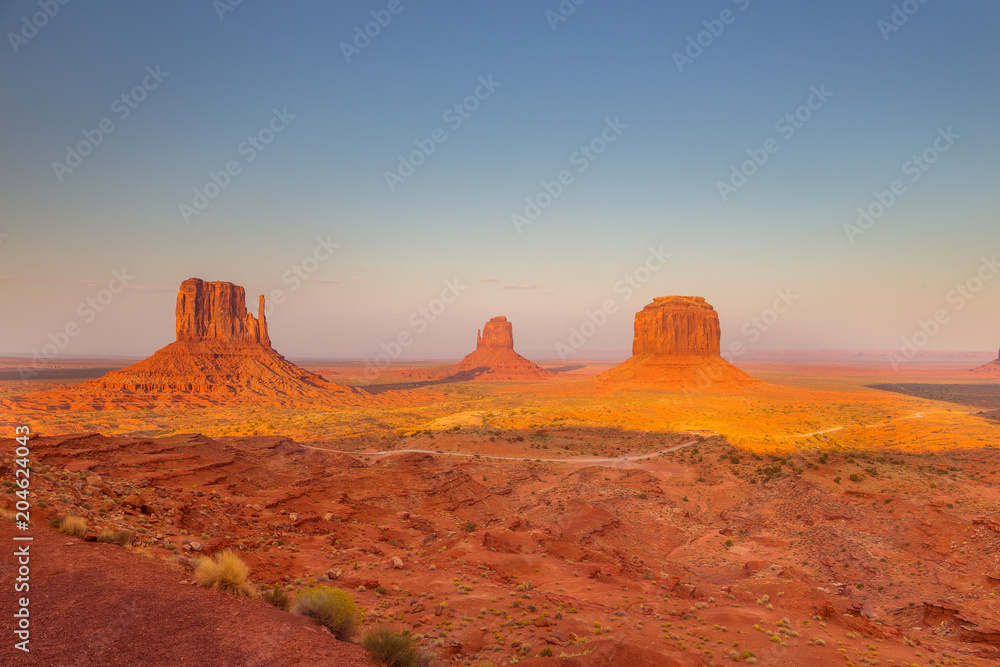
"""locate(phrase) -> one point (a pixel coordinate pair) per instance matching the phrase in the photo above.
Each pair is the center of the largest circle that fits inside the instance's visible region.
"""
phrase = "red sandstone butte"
(218, 311)
(495, 359)
(677, 345)
(222, 356)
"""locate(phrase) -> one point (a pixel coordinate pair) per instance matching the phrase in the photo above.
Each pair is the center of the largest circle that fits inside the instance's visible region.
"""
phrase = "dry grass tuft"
(225, 572)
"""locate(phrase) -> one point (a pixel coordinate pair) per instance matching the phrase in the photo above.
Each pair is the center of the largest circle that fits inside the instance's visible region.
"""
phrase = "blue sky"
(656, 185)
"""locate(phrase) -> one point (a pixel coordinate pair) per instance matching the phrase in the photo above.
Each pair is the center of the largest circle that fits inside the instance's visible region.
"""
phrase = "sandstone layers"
(495, 359)
(677, 346)
(222, 356)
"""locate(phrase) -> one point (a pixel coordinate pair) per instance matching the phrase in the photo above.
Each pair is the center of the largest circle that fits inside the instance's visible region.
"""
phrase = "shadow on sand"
(461, 376)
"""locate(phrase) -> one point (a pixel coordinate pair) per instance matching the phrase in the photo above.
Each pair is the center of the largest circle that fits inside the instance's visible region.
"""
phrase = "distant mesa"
(222, 356)
(992, 368)
(677, 345)
(495, 359)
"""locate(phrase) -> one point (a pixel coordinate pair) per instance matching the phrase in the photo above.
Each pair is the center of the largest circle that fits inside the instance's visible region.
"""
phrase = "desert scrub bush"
(277, 597)
(225, 572)
(390, 648)
(331, 607)
(72, 525)
(122, 537)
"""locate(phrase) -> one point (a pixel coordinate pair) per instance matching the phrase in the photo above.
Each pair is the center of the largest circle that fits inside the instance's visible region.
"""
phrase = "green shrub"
(226, 572)
(390, 648)
(546, 653)
(331, 607)
(278, 597)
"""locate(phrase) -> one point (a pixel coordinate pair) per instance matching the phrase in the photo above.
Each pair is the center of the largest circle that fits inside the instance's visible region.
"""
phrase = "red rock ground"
(97, 604)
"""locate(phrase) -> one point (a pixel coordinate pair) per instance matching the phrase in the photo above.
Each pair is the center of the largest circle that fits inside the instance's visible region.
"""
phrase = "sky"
(558, 163)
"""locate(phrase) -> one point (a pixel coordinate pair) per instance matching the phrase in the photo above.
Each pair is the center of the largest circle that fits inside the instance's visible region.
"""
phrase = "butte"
(677, 346)
(222, 356)
(992, 368)
(495, 359)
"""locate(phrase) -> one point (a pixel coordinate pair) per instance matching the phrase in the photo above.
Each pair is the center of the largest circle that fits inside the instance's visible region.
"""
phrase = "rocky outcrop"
(497, 334)
(676, 346)
(218, 311)
(684, 325)
(495, 359)
(222, 356)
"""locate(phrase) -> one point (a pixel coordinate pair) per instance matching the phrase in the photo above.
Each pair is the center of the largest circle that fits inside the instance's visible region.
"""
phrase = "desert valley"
(494, 334)
(669, 510)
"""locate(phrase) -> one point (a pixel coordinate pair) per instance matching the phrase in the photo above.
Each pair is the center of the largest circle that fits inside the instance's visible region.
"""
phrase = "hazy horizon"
(533, 92)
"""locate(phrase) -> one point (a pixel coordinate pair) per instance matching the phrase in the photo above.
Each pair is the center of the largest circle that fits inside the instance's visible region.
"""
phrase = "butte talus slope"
(495, 359)
(992, 368)
(677, 346)
(222, 356)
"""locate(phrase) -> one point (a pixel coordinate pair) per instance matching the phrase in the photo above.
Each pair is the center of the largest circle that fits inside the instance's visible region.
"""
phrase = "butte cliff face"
(495, 359)
(677, 325)
(677, 346)
(218, 311)
(222, 356)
